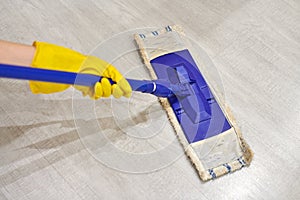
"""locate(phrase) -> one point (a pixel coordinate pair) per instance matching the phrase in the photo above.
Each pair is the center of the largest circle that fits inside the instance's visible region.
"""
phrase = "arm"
(17, 54)
(49, 56)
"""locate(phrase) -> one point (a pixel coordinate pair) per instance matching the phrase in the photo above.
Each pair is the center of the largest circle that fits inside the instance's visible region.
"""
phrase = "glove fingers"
(125, 87)
(98, 91)
(112, 73)
(106, 87)
(123, 84)
(117, 92)
(96, 66)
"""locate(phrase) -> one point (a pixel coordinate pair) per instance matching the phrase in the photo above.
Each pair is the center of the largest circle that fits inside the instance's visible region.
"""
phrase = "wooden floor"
(46, 153)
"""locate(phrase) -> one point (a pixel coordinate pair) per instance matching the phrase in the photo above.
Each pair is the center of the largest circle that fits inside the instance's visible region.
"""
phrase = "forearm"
(14, 53)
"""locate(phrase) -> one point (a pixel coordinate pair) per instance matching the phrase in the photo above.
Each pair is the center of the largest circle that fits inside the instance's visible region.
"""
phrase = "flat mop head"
(202, 122)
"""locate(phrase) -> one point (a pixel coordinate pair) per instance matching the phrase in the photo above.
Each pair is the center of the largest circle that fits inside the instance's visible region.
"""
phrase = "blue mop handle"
(155, 87)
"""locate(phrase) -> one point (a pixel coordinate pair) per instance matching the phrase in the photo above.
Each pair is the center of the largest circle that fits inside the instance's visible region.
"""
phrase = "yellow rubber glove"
(49, 56)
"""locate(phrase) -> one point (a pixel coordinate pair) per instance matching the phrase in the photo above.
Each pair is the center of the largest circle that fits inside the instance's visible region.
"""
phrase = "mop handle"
(154, 87)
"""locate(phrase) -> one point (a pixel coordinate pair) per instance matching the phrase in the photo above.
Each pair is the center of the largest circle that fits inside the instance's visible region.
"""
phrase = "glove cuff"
(53, 57)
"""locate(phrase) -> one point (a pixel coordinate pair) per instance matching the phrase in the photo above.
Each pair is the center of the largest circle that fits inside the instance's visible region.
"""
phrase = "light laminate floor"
(253, 45)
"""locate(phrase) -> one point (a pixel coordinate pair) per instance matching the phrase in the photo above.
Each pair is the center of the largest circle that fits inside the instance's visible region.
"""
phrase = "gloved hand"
(49, 56)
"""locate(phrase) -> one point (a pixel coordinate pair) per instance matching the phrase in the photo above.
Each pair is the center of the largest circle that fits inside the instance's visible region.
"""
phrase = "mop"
(202, 122)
